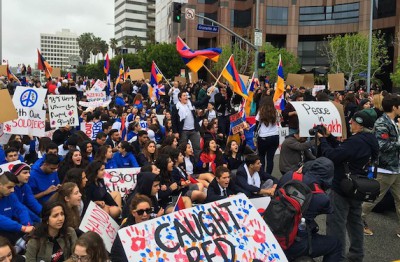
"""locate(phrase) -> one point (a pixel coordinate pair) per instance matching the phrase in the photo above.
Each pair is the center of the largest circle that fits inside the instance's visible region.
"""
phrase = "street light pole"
(122, 34)
(257, 28)
(371, 17)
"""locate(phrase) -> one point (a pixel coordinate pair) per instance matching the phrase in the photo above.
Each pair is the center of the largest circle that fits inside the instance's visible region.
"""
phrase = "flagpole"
(217, 80)
(211, 74)
(248, 88)
(163, 75)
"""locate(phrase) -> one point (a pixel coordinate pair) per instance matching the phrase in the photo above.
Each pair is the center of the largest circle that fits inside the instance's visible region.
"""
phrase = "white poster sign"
(94, 104)
(91, 129)
(283, 133)
(97, 220)
(317, 88)
(121, 180)
(94, 96)
(8, 166)
(3, 136)
(261, 203)
(63, 110)
(29, 122)
(318, 113)
(29, 98)
(225, 230)
(99, 85)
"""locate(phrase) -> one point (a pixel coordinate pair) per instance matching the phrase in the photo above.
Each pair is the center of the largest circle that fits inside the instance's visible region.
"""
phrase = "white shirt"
(188, 165)
(265, 131)
(188, 123)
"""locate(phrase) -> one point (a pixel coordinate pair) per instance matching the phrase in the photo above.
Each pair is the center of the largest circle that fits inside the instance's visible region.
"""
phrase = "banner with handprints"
(63, 110)
(225, 230)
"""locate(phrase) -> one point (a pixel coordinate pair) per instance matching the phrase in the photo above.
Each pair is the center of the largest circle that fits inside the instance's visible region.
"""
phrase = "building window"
(277, 15)
(384, 8)
(242, 19)
(329, 15)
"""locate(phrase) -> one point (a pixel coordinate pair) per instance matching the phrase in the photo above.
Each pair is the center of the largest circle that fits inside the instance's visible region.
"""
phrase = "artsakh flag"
(107, 72)
(127, 73)
(279, 99)
(155, 90)
(232, 76)
(194, 59)
(11, 76)
(44, 65)
(121, 72)
(180, 205)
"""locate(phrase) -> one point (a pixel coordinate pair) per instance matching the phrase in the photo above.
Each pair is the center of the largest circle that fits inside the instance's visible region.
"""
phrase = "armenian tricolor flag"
(44, 65)
(180, 205)
(279, 99)
(155, 89)
(127, 73)
(121, 72)
(107, 72)
(232, 76)
(249, 101)
(11, 76)
(194, 59)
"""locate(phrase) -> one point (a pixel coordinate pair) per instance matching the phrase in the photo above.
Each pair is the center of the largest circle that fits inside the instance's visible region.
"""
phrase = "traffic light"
(177, 12)
(261, 60)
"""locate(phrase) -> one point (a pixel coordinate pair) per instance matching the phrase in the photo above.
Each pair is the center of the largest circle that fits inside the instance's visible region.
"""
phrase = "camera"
(317, 129)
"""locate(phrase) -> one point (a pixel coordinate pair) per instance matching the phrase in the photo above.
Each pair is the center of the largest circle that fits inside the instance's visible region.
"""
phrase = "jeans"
(346, 215)
(267, 147)
(194, 137)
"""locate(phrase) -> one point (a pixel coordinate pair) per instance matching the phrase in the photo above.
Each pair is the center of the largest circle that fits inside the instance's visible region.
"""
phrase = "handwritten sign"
(225, 230)
(63, 110)
(95, 104)
(122, 180)
(8, 166)
(237, 123)
(29, 122)
(317, 88)
(94, 96)
(283, 133)
(91, 129)
(97, 220)
(99, 85)
(318, 113)
(3, 136)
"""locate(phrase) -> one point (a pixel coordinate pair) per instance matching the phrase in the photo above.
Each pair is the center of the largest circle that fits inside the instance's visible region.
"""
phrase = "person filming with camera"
(349, 157)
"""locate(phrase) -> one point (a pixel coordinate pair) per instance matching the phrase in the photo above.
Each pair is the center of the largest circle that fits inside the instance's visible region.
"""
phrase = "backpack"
(283, 214)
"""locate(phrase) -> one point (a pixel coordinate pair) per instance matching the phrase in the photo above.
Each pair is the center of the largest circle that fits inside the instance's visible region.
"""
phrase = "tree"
(348, 54)
(395, 76)
(113, 45)
(243, 56)
(126, 42)
(136, 43)
(85, 42)
(151, 37)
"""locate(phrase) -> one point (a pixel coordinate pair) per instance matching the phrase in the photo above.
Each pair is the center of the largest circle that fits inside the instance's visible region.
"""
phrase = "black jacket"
(250, 190)
(117, 250)
(214, 191)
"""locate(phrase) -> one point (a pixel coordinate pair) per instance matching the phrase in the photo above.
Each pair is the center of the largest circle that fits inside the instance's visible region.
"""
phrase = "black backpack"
(284, 213)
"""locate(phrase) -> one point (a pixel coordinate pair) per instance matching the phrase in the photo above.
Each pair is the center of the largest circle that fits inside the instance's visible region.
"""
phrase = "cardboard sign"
(63, 110)
(295, 80)
(121, 180)
(180, 79)
(308, 81)
(193, 77)
(3, 136)
(336, 82)
(95, 104)
(97, 220)
(318, 113)
(245, 79)
(283, 133)
(225, 230)
(136, 74)
(147, 75)
(56, 72)
(91, 129)
(3, 70)
(237, 123)
(8, 111)
(29, 122)
(95, 96)
(29, 98)
(8, 166)
(317, 88)
(98, 86)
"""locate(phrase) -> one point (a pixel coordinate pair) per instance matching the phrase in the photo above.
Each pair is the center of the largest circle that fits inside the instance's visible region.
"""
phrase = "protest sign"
(193, 77)
(3, 136)
(317, 88)
(121, 180)
(30, 122)
(91, 129)
(3, 70)
(283, 133)
(147, 75)
(95, 104)
(136, 74)
(180, 79)
(63, 110)
(261, 203)
(336, 82)
(8, 111)
(96, 96)
(308, 81)
(295, 80)
(318, 113)
(97, 220)
(225, 230)
(237, 123)
(56, 72)
(99, 85)
(8, 166)
(29, 98)
(49, 133)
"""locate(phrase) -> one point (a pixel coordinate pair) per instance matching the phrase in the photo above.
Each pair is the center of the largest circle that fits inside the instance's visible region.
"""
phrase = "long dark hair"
(101, 153)
(150, 157)
(268, 113)
(162, 164)
(83, 148)
(74, 175)
(218, 154)
(92, 169)
(5, 242)
(94, 245)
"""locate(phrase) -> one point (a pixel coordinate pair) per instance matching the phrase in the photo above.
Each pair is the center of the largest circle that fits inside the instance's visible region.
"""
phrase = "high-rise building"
(134, 19)
(58, 48)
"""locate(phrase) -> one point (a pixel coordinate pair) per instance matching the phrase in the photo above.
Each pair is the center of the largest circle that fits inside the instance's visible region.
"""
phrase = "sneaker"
(398, 235)
(367, 230)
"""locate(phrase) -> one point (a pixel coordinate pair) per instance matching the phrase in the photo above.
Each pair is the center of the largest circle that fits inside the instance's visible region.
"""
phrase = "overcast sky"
(24, 20)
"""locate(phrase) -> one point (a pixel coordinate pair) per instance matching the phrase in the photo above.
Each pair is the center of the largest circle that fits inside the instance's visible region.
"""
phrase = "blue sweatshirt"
(11, 208)
(26, 197)
(111, 164)
(39, 182)
(125, 161)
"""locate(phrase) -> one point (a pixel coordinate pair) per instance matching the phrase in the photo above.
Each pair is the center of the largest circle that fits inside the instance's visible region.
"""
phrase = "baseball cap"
(364, 119)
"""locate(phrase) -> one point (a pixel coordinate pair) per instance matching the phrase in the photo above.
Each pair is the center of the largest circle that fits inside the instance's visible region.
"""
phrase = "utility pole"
(257, 28)
(371, 17)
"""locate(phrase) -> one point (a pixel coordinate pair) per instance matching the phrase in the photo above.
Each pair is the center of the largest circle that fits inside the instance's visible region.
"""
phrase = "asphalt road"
(383, 246)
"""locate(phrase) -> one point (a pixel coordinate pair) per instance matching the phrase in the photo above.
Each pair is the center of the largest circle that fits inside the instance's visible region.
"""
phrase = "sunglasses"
(140, 212)
(77, 258)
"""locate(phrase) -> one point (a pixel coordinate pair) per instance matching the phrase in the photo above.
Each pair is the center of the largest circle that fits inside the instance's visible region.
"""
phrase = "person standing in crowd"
(52, 240)
(387, 133)
(223, 108)
(268, 133)
(290, 115)
(357, 150)
(89, 247)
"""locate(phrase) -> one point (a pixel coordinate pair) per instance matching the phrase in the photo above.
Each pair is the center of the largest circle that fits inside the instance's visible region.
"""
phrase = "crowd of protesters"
(43, 198)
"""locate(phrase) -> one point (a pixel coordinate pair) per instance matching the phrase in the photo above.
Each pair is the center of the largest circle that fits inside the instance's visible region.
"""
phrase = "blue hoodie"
(26, 197)
(11, 208)
(110, 164)
(125, 161)
(39, 182)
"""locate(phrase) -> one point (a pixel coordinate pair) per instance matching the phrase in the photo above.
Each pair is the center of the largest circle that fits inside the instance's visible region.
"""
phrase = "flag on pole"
(180, 205)
(44, 65)
(121, 72)
(11, 76)
(232, 76)
(127, 73)
(107, 72)
(279, 99)
(194, 59)
(249, 101)
(155, 90)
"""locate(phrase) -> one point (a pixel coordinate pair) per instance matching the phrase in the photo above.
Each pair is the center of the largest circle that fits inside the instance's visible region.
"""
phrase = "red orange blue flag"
(121, 72)
(232, 76)
(156, 89)
(11, 76)
(180, 205)
(279, 99)
(44, 65)
(249, 101)
(194, 59)
(107, 72)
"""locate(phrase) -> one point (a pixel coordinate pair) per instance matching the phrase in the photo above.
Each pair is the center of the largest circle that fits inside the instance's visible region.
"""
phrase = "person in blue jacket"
(44, 180)
(24, 192)
(124, 158)
(14, 217)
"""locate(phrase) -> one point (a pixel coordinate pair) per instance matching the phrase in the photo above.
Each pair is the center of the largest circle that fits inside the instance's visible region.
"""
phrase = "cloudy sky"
(24, 20)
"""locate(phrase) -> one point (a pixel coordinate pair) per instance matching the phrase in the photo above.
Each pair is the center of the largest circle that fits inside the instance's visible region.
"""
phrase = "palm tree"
(113, 45)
